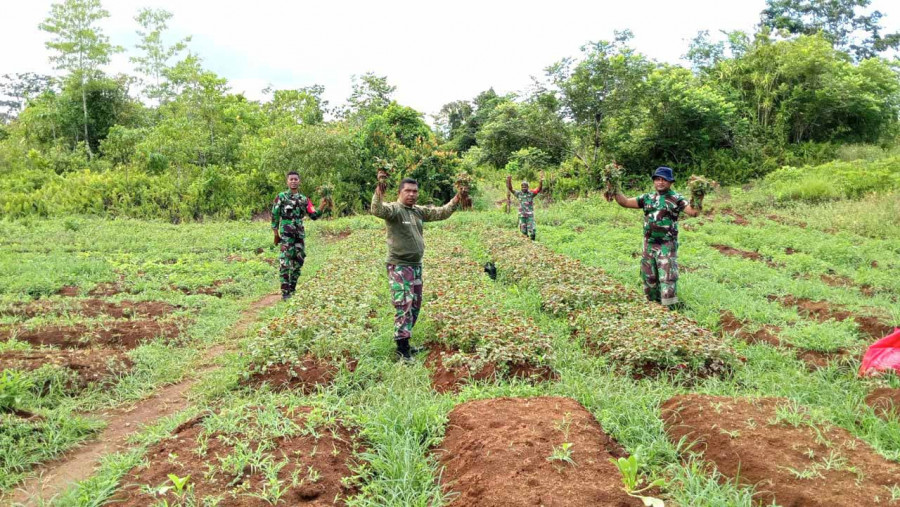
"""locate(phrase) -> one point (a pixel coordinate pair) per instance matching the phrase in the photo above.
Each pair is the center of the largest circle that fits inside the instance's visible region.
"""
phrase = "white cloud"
(433, 52)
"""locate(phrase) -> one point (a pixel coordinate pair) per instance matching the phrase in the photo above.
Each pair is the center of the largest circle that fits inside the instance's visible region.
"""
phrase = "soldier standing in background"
(406, 246)
(659, 262)
(287, 222)
(526, 205)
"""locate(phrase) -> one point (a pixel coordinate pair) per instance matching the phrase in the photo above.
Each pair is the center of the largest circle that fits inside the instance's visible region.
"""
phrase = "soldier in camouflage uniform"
(526, 205)
(659, 262)
(406, 245)
(287, 222)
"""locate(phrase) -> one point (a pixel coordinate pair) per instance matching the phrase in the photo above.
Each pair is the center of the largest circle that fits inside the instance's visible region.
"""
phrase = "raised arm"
(626, 202)
(311, 210)
(378, 208)
(540, 184)
(509, 184)
(432, 214)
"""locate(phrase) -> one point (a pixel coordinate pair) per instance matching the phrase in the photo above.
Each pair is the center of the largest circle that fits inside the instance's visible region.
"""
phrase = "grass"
(399, 418)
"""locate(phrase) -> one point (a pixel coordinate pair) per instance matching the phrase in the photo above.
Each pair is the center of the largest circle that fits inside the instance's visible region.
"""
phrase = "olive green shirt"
(406, 245)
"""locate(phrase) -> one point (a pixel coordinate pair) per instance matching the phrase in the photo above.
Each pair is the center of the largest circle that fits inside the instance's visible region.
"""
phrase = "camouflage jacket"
(288, 211)
(526, 202)
(661, 212)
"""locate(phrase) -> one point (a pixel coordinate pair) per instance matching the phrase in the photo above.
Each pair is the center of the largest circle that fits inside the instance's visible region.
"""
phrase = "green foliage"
(13, 388)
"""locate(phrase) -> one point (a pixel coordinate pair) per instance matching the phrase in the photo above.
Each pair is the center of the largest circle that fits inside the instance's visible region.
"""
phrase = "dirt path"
(54, 477)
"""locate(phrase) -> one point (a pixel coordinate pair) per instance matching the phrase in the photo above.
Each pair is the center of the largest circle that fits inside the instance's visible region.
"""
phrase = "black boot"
(403, 350)
(532, 235)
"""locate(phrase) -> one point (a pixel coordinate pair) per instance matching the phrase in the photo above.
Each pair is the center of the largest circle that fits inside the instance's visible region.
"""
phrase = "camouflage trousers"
(290, 260)
(659, 271)
(406, 295)
(527, 225)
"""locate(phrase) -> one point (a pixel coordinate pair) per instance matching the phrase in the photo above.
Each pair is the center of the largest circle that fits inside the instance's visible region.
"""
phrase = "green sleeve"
(432, 214)
(276, 213)
(379, 209)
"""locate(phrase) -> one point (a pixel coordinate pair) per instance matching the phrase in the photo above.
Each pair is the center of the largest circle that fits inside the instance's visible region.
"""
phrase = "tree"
(80, 46)
(836, 19)
(371, 95)
(16, 90)
(601, 94)
(154, 62)
(303, 106)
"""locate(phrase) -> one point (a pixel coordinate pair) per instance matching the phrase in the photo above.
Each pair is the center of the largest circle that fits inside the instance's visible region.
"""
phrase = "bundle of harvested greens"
(611, 180)
(700, 187)
(326, 191)
(463, 184)
(384, 169)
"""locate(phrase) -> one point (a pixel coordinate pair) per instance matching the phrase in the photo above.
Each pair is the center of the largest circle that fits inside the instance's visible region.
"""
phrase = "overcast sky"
(433, 52)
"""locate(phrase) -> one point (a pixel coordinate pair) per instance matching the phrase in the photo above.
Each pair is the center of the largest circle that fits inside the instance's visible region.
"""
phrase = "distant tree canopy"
(172, 142)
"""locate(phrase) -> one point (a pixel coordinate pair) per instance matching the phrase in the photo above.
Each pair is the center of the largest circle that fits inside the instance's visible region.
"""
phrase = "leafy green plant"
(13, 388)
(629, 468)
(562, 452)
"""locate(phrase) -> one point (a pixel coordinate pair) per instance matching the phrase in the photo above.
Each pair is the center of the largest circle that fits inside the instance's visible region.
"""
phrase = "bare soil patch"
(332, 236)
(885, 401)
(792, 465)
(789, 251)
(735, 252)
(816, 359)
(68, 291)
(823, 311)
(738, 219)
(54, 477)
(304, 376)
(451, 378)
(766, 334)
(88, 366)
(329, 456)
(209, 290)
(235, 258)
(92, 308)
(787, 221)
(127, 334)
(495, 454)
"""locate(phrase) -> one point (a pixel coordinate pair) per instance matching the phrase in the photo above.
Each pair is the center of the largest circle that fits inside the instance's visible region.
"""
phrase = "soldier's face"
(661, 185)
(293, 182)
(524, 187)
(409, 194)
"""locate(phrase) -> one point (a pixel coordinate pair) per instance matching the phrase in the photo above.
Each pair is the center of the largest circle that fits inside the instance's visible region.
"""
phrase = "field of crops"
(154, 364)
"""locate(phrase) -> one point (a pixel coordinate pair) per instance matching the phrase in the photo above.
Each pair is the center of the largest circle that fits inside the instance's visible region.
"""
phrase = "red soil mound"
(731, 324)
(302, 376)
(451, 378)
(734, 252)
(792, 465)
(96, 365)
(126, 334)
(495, 454)
(885, 401)
(92, 308)
(823, 311)
(327, 456)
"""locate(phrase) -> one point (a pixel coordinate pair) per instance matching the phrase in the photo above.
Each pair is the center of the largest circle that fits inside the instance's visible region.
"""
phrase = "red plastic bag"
(883, 355)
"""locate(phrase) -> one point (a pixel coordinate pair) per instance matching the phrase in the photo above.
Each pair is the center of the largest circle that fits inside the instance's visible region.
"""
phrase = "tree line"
(171, 141)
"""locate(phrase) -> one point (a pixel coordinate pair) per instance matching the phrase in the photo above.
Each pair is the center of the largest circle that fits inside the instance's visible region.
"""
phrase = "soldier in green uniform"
(287, 222)
(525, 197)
(659, 262)
(406, 245)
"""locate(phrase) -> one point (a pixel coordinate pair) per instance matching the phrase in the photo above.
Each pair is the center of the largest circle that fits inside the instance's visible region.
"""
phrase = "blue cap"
(664, 173)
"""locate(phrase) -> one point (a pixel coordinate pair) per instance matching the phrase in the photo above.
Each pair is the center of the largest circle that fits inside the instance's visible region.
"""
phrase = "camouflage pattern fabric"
(288, 211)
(290, 260)
(659, 271)
(406, 295)
(527, 225)
(661, 212)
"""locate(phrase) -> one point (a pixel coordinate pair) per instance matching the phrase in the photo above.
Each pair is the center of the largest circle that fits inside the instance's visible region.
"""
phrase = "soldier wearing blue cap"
(659, 262)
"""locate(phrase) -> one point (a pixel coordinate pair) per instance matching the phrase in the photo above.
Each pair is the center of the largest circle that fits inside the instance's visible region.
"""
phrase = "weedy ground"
(565, 318)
